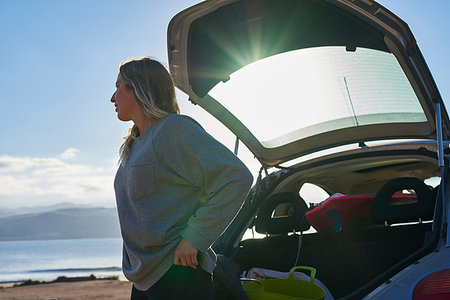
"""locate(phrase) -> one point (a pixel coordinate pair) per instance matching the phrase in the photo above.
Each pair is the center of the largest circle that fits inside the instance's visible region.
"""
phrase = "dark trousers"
(179, 283)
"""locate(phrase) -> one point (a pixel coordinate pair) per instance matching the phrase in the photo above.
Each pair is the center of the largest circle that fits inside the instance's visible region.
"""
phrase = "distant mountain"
(69, 223)
(6, 212)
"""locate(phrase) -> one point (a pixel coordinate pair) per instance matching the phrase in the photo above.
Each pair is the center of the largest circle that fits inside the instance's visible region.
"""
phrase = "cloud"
(10, 164)
(69, 153)
(29, 181)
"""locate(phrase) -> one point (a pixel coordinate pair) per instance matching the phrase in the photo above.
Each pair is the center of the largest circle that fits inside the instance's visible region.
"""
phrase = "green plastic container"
(284, 289)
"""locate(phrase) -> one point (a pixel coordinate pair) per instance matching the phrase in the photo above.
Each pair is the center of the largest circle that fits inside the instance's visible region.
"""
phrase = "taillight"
(434, 286)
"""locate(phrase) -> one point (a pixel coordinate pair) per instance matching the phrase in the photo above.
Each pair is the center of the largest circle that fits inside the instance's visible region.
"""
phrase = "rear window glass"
(312, 194)
(305, 92)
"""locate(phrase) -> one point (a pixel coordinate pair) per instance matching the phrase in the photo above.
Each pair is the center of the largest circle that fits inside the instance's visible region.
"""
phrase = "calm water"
(46, 260)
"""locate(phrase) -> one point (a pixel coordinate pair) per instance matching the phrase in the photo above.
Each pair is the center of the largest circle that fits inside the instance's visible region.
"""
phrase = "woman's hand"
(186, 255)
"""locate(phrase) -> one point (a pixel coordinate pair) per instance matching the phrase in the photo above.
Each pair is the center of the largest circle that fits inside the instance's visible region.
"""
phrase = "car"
(337, 104)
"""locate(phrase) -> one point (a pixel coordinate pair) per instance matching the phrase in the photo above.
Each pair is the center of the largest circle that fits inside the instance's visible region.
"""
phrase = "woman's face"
(123, 98)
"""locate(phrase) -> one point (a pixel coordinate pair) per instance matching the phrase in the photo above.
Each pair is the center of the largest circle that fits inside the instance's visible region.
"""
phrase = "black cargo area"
(344, 260)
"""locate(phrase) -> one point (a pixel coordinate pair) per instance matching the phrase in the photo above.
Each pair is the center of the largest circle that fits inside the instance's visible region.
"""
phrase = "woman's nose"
(113, 98)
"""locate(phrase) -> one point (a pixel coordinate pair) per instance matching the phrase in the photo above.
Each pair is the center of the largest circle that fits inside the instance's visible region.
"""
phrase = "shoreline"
(31, 282)
(76, 288)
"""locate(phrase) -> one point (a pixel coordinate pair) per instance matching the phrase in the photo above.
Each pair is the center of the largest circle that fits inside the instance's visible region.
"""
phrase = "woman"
(177, 188)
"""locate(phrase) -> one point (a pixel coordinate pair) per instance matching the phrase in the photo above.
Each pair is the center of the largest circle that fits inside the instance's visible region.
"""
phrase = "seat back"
(422, 209)
(269, 221)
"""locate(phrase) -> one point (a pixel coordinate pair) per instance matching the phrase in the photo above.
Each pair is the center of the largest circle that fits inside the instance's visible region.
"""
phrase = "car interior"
(380, 219)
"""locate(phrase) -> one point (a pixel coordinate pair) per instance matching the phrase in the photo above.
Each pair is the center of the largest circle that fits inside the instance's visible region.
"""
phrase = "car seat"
(270, 221)
(384, 212)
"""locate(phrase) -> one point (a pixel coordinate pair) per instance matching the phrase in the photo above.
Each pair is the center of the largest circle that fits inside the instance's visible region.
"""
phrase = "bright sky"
(59, 62)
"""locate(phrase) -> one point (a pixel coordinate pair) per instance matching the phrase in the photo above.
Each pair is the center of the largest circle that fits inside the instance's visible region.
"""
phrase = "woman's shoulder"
(181, 119)
(176, 127)
(175, 130)
(179, 122)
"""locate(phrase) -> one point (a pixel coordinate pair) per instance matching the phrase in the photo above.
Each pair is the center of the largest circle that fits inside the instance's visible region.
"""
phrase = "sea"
(46, 260)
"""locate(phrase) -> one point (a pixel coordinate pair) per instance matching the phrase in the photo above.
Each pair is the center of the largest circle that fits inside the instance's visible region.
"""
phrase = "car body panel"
(402, 285)
(210, 41)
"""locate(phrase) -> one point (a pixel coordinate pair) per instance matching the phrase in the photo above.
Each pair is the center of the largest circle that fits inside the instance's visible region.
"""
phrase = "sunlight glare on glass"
(305, 92)
(264, 91)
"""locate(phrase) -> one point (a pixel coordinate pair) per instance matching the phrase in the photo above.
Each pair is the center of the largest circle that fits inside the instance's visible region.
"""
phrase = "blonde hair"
(154, 92)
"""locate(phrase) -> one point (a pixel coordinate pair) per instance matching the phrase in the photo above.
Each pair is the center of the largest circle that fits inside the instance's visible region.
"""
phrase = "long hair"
(153, 90)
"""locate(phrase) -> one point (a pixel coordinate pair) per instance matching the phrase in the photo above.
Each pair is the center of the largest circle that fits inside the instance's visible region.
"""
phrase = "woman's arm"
(225, 181)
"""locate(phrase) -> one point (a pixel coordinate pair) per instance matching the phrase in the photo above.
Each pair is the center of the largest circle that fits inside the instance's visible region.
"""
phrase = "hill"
(69, 223)
(7, 212)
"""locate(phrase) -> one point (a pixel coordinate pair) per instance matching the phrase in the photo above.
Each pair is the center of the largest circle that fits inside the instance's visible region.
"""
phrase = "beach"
(85, 289)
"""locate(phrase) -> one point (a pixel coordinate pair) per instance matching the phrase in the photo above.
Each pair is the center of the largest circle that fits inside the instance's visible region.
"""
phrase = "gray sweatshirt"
(178, 182)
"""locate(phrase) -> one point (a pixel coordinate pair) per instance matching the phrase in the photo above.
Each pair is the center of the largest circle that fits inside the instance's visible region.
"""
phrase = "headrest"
(422, 209)
(293, 220)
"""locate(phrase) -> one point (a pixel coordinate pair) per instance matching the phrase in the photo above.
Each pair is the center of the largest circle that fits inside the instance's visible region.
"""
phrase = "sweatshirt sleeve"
(192, 153)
